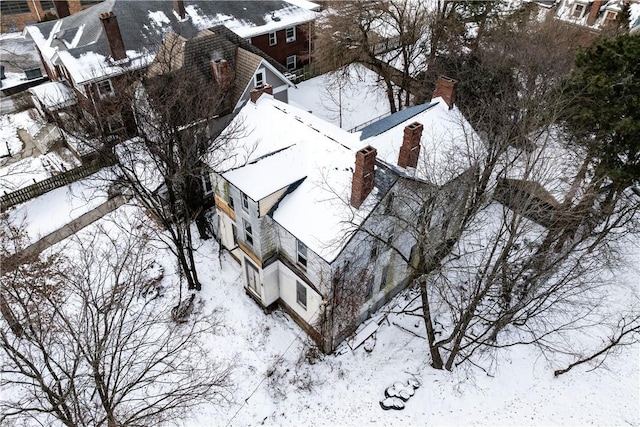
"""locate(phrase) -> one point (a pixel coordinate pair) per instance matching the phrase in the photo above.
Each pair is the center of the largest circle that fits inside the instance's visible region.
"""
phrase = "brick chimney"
(178, 6)
(220, 71)
(446, 88)
(363, 176)
(410, 150)
(114, 38)
(62, 8)
(257, 91)
(593, 13)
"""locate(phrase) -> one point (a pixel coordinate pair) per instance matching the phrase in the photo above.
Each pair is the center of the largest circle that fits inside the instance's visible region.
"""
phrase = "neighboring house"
(93, 50)
(115, 36)
(300, 201)
(595, 15)
(220, 55)
(18, 13)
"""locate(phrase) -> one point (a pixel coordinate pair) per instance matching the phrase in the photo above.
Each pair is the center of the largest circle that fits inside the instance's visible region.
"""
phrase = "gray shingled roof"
(141, 32)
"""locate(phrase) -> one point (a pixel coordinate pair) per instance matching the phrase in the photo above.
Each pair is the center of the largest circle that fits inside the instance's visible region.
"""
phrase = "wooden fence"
(39, 188)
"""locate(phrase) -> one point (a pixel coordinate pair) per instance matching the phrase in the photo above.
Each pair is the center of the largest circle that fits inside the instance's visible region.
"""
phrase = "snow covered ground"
(280, 379)
(346, 104)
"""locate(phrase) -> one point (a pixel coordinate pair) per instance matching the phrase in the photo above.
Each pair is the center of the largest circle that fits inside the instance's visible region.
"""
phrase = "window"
(114, 123)
(611, 16)
(260, 78)
(374, 250)
(273, 39)
(85, 3)
(302, 254)
(301, 294)
(14, 7)
(368, 290)
(253, 277)
(46, 4)
(578, 11)
(248, 232)
(389, 204)
(105, 88)
(290, 34)
(383, 277)
(231, 204)
(234, 233)
(291, 62)
(245, 202)
(207, 186)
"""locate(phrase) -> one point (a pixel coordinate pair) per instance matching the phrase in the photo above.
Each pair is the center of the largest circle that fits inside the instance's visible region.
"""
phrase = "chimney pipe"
(220, 71)
(114, 38)
(62, 8)
(178, 6)
(363, 176)
(446, 88)
(593, 13)
(410, 149)
(257, 91)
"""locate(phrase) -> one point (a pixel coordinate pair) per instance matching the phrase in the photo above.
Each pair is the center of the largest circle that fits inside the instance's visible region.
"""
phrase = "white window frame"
(575, 9)
(245, 202)
(302, 254)
(253, 276)
(259, 78)
(273, 38)
(104, 94)
(207, 184)
(248, 232)
(609, 13)
(292, 60)
(290, 34)
(301, 295)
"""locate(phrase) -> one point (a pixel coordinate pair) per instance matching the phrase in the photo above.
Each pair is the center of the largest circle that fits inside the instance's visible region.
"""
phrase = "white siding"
(288, 284)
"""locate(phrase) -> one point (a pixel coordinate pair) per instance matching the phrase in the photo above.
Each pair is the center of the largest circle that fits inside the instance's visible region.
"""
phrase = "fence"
(39, 188)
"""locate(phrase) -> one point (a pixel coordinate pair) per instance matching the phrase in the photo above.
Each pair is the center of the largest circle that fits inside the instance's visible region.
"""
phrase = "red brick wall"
(282, 50)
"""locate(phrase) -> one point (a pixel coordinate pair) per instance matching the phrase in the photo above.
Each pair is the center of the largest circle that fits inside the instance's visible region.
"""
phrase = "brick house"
(301, 202)
(16, 14)
(593, 15)
(96, 50)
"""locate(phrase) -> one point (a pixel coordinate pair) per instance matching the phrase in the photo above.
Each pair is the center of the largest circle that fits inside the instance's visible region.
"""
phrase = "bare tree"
(171, 121)
(93, 341)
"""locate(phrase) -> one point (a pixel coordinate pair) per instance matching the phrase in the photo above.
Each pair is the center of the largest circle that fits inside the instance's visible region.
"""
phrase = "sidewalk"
(12, 262)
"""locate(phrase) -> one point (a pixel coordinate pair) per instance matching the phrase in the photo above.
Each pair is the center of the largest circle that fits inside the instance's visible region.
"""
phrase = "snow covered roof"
(286, 147)
(567, 12)
(54, 95)
(445, 131)
(79, 42)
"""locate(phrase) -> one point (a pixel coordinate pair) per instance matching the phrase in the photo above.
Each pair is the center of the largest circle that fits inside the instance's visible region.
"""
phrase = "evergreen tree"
(604, 91)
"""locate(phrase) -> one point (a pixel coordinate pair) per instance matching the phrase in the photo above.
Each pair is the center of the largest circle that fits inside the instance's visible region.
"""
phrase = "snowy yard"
(279, 379)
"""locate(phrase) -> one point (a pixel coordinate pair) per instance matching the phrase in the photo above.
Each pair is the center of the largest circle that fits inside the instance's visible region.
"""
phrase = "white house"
(301, 204)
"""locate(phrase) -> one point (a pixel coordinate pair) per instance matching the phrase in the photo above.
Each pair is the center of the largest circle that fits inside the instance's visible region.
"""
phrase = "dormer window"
(290, 34)
(259, 78)
(105, 89)
(578, 11)
(611, 16)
